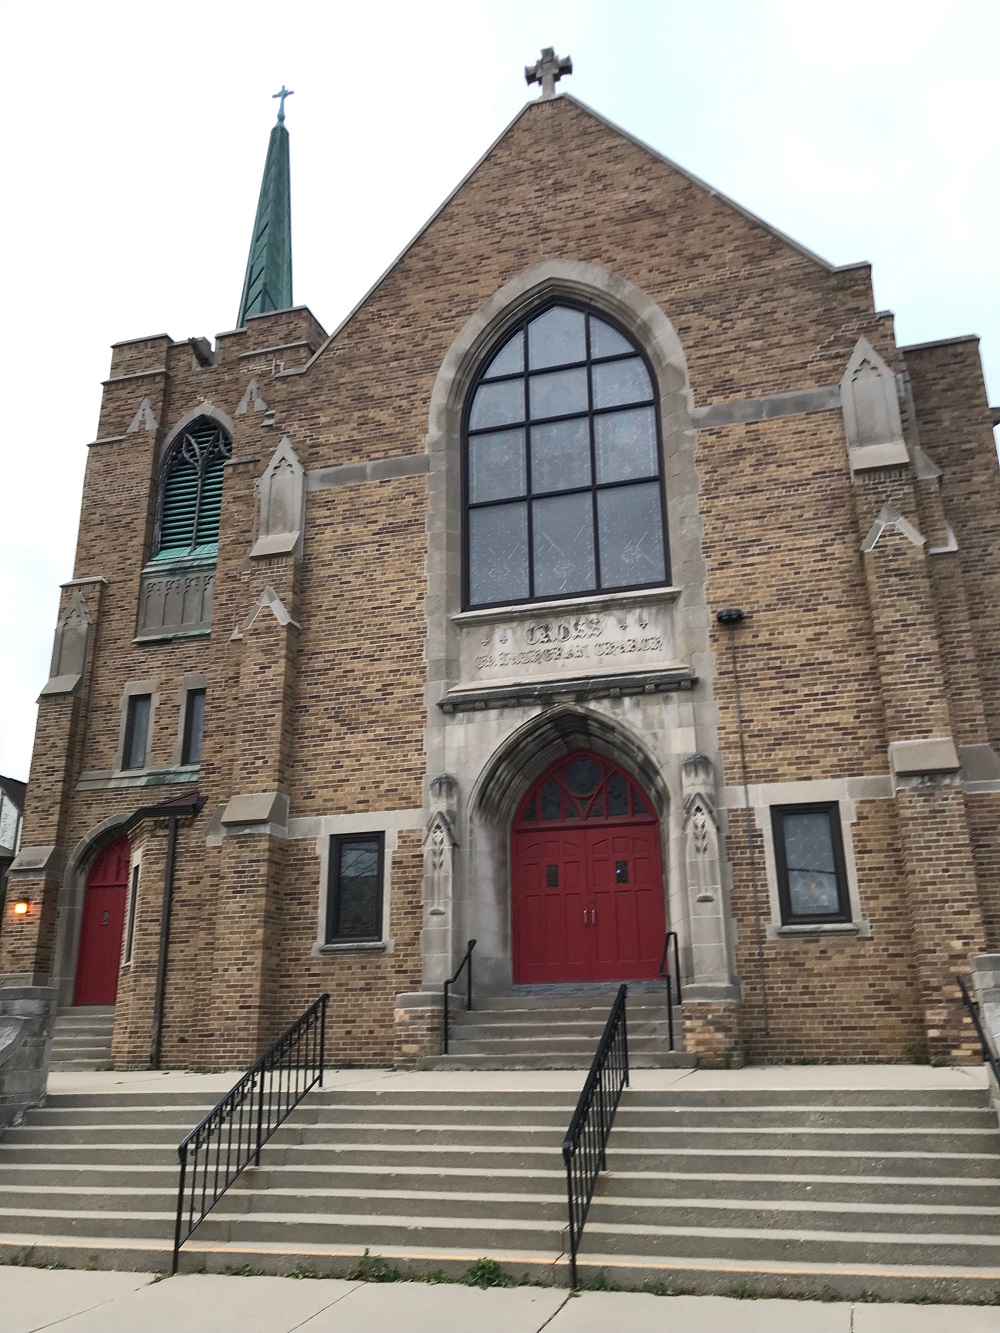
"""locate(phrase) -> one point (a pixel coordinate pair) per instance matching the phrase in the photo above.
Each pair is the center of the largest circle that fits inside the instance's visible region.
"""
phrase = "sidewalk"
(755, 1077)
(33, 1299)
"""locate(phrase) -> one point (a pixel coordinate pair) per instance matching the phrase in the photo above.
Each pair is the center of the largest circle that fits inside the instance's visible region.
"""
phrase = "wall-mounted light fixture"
(21, 907)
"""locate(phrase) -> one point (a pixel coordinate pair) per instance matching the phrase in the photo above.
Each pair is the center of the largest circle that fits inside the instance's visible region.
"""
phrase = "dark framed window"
(190, 498)
(194, 725)
(136, 731)
(354, 898)
(809, 858)
(562, 479)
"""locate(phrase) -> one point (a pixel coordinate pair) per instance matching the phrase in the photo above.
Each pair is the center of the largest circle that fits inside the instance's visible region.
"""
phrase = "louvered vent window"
(191, 503)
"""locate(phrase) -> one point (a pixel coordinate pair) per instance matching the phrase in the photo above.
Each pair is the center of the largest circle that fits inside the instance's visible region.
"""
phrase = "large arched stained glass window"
(191, 491)
(562, 479)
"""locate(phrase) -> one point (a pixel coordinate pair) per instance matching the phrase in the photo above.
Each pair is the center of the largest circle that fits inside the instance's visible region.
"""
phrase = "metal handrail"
(665, 973)
(990, 1056)
(231, 1136)
(585, 1145)
(466, 962)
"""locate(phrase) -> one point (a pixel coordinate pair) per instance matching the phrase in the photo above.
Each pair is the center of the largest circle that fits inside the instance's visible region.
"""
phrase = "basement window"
(809, 859)
(354, 898)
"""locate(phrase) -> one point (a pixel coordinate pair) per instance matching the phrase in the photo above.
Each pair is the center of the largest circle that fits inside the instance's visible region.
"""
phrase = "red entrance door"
(103, 922)
(587, 884)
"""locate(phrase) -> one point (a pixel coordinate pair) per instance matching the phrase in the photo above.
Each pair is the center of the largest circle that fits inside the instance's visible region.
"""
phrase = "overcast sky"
(136, 136)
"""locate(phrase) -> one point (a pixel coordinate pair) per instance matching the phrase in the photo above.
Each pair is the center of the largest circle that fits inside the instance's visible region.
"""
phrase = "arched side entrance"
(587, 898)
(102, 925)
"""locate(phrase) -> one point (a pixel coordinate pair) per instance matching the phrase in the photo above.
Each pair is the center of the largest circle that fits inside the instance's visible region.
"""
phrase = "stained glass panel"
(499, 404)
(560, 455)
(497, 467)
(631, 535)
(550, 799)
(812, 870)
(563, 529)
(606, 341)
(556, 338)
(359, 892)
(625, 445)
(557, 393)
(617, 795)
(620, 382)
(509, 360)
(498, 553)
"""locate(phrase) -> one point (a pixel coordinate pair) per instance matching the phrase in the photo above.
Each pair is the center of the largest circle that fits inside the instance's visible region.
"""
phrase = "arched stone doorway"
(587, 901)
(102, 925)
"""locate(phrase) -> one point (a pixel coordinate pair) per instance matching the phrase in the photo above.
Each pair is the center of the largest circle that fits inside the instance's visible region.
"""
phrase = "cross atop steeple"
(548, 71)
(285, 92)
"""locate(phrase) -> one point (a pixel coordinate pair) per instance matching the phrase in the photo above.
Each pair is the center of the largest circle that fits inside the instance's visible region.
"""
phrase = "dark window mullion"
(528, 478)
(197, 502)
(598, 580)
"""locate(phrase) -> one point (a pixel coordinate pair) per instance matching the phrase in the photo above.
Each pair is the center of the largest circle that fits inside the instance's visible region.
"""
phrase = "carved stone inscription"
(588, 642)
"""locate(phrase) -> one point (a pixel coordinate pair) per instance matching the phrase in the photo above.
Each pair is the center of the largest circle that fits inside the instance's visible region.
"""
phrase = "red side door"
(103, 922)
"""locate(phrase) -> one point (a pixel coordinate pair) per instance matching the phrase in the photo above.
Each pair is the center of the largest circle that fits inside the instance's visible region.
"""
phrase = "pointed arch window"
(563, 484)
(190, 501)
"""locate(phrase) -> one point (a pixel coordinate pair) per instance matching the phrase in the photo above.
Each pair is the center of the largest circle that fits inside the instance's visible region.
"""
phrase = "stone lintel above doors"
(604, 642)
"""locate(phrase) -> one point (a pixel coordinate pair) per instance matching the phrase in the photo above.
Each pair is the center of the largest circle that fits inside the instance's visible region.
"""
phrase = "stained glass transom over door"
(562, 475)
(586, 880)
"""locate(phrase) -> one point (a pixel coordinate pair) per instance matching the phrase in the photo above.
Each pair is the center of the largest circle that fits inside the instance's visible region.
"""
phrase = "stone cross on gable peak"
(548, 71)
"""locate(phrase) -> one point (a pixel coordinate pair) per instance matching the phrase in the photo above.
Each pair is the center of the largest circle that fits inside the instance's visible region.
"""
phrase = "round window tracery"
(562, 476)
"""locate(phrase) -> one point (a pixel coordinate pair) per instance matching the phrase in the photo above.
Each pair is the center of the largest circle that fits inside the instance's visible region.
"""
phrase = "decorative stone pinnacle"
(548, 71)
(285, 92)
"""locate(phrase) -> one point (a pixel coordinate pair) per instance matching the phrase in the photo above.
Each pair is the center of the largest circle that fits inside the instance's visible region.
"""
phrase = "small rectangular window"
(136, 731)
(194, 725)
(809, 858)
(133, 893)
(354, 900)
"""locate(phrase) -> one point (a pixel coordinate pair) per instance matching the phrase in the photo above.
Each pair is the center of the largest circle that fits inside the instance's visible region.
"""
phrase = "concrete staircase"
(82, 1038)
(840, 1193)
(558, 1031)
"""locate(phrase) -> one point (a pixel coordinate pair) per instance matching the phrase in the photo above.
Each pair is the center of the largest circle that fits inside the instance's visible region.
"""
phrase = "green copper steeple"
(268, 283)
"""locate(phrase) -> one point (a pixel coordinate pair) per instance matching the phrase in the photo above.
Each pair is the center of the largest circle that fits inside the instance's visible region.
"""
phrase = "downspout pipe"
(730, 618)
(174, 811)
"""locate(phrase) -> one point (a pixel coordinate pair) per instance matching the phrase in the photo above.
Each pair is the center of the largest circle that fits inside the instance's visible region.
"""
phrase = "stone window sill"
(359, 946)
(137, 777)
(162, 636)
(562, 606)
(856, 929)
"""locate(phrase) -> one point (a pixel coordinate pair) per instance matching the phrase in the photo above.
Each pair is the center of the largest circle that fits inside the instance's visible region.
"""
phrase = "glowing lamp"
(21, 907)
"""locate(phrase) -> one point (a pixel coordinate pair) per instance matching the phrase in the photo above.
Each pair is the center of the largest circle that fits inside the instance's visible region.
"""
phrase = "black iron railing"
(231, 1136)
(586, 1141)
(464, 965)
(990, 1055)
(670, 975)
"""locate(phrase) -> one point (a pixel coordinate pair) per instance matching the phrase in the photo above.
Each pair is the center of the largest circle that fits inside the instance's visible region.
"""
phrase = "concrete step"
(554, 1043)
(69, 1066)
(592, 1019)
(496, 1060)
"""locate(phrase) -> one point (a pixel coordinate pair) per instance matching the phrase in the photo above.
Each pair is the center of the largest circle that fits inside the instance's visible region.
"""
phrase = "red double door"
(587, 881)
(104, 898)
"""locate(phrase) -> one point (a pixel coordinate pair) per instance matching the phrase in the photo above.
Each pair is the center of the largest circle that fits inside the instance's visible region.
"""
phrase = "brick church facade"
(385, 640)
